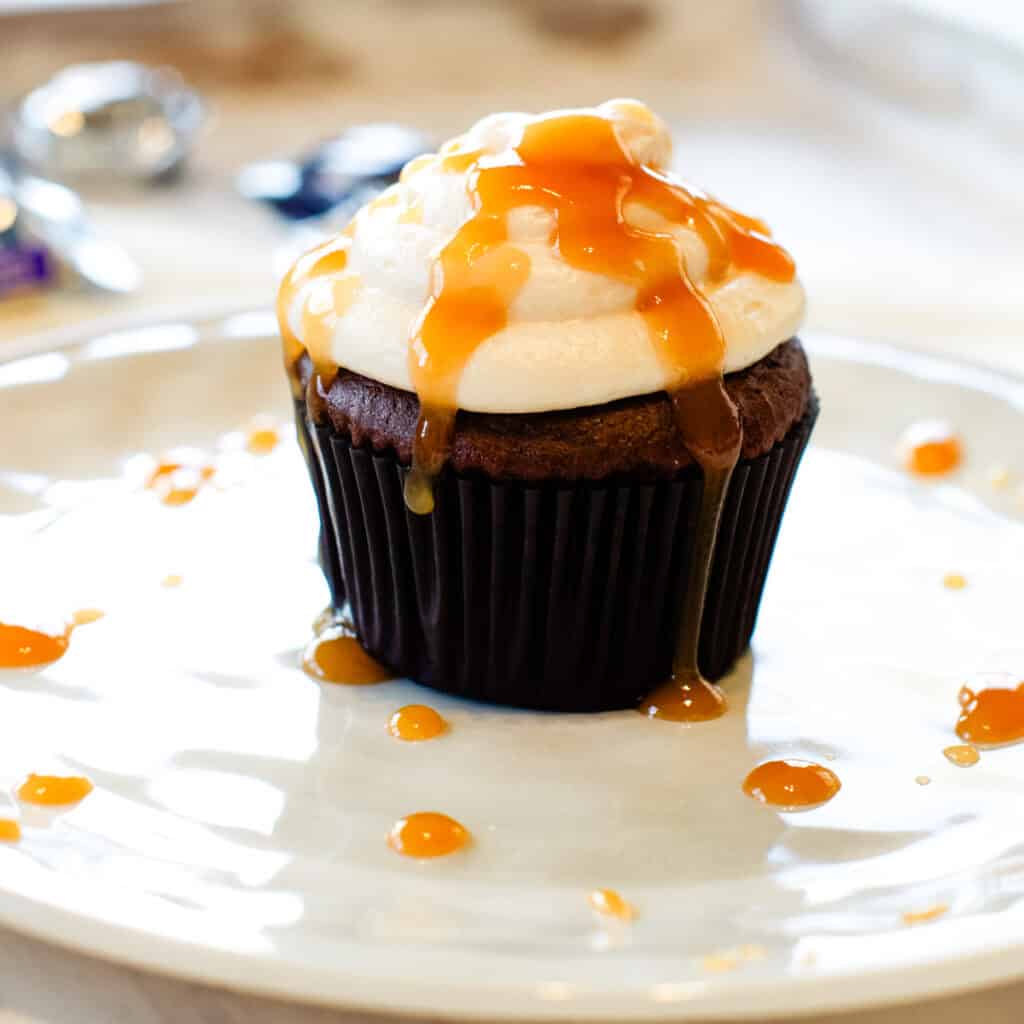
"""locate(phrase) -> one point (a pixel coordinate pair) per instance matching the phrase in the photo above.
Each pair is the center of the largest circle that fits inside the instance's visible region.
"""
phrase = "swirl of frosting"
(567, 325)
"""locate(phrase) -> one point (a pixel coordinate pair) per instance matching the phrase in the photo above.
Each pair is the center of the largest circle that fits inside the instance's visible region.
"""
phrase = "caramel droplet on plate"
(171, 581)
(963, 756)
(999, 477)
(54, 790)
(954, 581)
(931, 448)
(792, 785)
(336, 656)
(10, 831)
(87, 616)
(611, 904)
(991, 717)
(924, 916)
(262, 435)
(177, 481)
(416, 722)
(427, 834)
(730, 959)
(694, 700)
(29, 648)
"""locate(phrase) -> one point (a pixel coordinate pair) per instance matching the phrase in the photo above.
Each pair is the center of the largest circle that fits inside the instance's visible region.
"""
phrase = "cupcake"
(552, 406)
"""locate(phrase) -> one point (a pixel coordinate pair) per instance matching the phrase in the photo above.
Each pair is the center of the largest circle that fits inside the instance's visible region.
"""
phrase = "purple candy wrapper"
(23, 267)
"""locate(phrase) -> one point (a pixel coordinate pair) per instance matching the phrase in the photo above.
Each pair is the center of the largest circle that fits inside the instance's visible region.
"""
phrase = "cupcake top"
(540, 263)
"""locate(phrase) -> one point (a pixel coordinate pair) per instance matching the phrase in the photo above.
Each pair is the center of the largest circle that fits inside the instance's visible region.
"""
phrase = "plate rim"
(798, 995)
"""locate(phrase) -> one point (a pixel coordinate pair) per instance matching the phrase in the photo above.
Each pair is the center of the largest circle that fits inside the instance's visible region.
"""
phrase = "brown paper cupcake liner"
(552, 596)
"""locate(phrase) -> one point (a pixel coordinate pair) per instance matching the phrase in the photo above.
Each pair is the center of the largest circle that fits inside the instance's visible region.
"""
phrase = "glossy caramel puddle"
(931, 448)
(29, 648)
(54, 790)
(792, 785)
(10, 830)
(610, 903)
(21, 647)
(428, 834)
(991, 717)
(336, 656)
(415, 723)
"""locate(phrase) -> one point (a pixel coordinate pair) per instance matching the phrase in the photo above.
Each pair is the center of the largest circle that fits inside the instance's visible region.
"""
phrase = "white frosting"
(573, 337)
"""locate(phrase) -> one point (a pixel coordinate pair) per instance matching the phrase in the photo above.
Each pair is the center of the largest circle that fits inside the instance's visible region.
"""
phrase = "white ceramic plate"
(236, 833)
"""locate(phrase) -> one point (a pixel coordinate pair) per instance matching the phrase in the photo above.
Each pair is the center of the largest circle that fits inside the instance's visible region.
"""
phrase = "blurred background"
(883, 141)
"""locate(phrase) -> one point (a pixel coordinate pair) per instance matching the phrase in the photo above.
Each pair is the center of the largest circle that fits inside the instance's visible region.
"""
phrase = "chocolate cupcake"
(552, 405)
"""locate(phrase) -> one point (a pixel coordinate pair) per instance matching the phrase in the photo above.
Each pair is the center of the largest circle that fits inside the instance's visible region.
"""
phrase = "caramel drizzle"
(574, 166)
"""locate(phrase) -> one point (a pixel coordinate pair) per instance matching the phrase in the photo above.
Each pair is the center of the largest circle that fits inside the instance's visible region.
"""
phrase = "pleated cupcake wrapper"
(554, 596)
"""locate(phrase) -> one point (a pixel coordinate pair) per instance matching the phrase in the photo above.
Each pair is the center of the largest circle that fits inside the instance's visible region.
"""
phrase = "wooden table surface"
(869, 265)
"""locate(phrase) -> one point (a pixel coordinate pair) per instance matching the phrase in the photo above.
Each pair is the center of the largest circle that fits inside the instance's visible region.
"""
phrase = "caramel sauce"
(611, 904)
(931, 448)
(416, 722)
(962, 755)
(792, 784)
(54, 790)
(912, 917)
(10, 830)
(262, 435)
(954, 581)
(710, 427)
(991, 717)
(329, 258)
(176, 481)
(29, 648)
(86, 617)
(172, 581)
(336, 656)
(575, 166)
(730, 959)
(683, 699)
(427, 834)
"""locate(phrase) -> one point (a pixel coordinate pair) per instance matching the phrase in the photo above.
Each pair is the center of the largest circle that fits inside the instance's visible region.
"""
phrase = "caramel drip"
(991, 717)
(575, 166)
(610, 903)
(427, 834)
(10, 830)
(54, 790)
(29, 648)
(336, 656)
(709, 424)
(791, 785)
(324, 260)
(416, 722)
